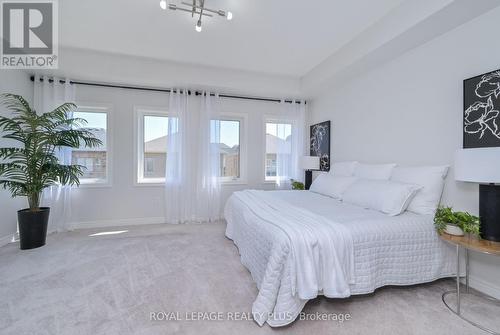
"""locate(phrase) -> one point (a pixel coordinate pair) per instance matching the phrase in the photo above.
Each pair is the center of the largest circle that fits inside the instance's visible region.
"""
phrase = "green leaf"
(11, 153)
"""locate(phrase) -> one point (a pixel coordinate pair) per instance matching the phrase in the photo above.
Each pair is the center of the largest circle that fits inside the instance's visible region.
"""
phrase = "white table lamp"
(310, 163)
(482, 166)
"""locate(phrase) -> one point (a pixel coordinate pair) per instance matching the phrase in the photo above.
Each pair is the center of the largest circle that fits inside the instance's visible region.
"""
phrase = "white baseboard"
(117, 223)
(4, 240)
(484, 287)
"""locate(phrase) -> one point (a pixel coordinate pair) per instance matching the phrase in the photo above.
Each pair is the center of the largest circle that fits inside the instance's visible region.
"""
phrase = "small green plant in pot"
(297, 185)
(27, 169)
(456, 223)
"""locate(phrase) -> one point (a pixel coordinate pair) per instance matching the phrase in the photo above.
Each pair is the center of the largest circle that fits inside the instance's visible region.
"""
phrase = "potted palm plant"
(27, 169)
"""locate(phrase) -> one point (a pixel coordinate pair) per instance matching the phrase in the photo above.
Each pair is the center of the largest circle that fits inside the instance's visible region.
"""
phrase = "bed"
(348, 250)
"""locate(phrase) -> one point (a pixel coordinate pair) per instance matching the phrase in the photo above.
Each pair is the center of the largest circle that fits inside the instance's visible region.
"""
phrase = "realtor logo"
(29, 34)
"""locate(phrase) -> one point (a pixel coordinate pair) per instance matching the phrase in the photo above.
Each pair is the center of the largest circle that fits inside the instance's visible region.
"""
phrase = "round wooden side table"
(477, 245)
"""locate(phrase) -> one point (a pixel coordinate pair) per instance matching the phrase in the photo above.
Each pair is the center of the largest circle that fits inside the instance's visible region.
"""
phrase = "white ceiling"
(273, 36)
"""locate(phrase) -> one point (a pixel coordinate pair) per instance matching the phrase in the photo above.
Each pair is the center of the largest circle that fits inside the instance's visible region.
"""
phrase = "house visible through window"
(94, 160)
(87, 162)
(278, 142)
(154, 148)
(153, 138)
(149, 168)
(229, 147)
(270, 165)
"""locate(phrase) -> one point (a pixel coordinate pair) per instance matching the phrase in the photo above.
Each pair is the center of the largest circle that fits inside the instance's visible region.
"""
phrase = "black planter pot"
(33, 227)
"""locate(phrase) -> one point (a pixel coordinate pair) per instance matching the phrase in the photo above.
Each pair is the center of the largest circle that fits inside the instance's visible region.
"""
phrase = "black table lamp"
(309, 164)
(482, 165)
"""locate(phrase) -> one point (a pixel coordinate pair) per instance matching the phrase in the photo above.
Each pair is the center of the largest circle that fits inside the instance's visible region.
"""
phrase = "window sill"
(94, 185)
(162, 184)
(153, 183)
(234, 183)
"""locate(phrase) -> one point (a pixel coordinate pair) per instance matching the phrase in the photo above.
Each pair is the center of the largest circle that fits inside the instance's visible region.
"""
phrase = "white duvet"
(298, 244)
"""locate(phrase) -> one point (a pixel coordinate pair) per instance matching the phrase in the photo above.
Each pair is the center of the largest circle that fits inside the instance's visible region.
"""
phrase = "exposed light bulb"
(198, 26)
(163, 4)
(229, 16)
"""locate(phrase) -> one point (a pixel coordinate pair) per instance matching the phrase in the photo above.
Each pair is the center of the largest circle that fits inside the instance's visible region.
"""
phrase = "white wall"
(17, 82)
(409, 111)
(126, 203)
(107, 67)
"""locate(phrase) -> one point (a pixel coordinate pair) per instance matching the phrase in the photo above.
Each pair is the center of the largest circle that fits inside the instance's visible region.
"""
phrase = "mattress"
(387, 250)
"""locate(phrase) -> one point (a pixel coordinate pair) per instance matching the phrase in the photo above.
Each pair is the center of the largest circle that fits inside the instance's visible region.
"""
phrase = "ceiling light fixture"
(197, 7)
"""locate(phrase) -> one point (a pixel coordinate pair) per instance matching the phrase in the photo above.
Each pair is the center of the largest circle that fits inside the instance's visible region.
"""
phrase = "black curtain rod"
(167, 90)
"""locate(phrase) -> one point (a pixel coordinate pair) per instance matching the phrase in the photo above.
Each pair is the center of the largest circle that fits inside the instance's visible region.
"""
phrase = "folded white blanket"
(318, 252)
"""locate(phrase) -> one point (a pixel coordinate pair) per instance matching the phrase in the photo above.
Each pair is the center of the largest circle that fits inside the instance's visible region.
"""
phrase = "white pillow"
(386, 196)
(331, 186)
(374, 171)
(343, 168)
(431, 178)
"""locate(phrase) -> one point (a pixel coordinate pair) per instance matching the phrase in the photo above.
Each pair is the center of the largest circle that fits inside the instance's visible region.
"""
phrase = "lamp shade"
(309, 162)
(481, 165)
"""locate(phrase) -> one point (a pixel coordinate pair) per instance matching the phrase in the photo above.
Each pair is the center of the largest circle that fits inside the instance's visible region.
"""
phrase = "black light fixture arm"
(197, 7)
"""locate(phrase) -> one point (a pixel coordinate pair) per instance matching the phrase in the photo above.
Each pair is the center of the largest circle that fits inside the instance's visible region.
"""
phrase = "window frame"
(273, 119)
(139, 113)
(90, 107)
(242, 119)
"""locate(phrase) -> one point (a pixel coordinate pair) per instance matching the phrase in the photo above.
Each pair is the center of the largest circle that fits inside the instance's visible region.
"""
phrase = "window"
(152, 153)
(229, 149)
(278, 141)
(95, 160)
(152, 126)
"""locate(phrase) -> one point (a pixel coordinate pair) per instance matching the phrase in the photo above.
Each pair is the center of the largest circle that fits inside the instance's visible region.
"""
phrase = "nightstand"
(477, 245)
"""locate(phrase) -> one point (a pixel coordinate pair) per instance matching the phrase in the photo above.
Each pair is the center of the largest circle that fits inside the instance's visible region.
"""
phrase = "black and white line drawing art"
(320, 144)
(482, 111)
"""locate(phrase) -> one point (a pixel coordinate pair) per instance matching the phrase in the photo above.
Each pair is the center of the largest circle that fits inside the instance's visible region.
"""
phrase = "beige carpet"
(110, 284)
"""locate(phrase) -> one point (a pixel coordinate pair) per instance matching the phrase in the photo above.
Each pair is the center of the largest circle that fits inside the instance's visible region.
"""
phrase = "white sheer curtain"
(192, 187)
(291, 144)
(48, 96)
(208, 184)
(179, 177)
